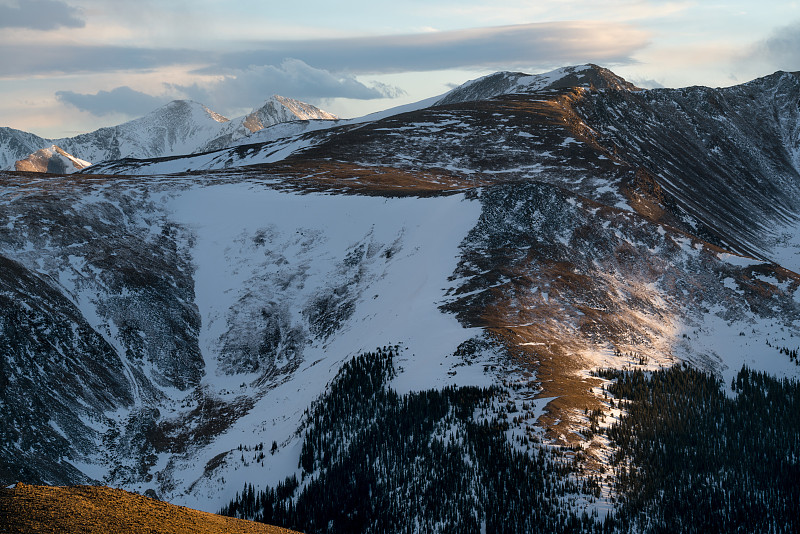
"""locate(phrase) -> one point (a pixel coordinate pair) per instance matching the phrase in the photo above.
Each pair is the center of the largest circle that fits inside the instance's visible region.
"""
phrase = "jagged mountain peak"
(282, 109)
(304, 110)
(506, 82)
(182, 110)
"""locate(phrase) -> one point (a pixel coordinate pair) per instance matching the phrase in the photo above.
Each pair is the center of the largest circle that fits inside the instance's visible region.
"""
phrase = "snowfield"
(254, 248)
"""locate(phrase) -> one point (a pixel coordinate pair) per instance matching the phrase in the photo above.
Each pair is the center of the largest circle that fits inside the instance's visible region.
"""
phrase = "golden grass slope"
(102, 510)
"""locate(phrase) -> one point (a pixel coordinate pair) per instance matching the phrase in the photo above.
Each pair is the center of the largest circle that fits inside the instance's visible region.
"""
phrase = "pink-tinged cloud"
(501, 47)
(491, 47)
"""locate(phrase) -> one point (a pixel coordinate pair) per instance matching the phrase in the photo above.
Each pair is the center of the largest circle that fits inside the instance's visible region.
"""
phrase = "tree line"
(688, 456)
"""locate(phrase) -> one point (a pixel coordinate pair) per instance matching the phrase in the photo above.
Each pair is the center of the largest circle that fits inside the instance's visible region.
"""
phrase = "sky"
(72, 66)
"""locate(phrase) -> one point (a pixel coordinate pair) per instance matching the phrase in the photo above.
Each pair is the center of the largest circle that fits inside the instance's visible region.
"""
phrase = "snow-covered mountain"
(282, 109)
(276, 110)
(158, 330)
(16, 145)
(502, 83)
(179, 127)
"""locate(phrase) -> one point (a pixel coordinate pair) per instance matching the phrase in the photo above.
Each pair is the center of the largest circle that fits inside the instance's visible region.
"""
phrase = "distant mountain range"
(180, 127)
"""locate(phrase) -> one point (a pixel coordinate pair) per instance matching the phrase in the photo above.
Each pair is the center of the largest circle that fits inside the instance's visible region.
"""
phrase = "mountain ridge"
(178, 127)
(282, 144)
(589, 76)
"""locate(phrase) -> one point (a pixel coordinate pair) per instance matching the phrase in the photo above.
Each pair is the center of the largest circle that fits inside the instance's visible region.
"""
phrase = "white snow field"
(249, 241)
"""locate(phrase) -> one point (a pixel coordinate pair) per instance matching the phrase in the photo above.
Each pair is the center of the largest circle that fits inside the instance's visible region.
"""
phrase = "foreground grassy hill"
(97, 509)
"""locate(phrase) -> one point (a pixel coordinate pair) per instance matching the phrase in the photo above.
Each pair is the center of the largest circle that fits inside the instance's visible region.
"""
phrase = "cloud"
(243, 88)
(492, 47)
(781, 49)
(32, 60)
(120, 100)
(519, 46)
(39, 15)
(292, 78)
(646, 83)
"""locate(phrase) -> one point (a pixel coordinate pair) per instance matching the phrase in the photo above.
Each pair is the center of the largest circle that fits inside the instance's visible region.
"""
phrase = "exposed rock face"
(53, 160)
(724, 160)
(57, 373)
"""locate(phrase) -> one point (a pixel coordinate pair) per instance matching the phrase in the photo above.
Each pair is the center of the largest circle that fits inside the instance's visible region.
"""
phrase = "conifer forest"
(693, 455)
